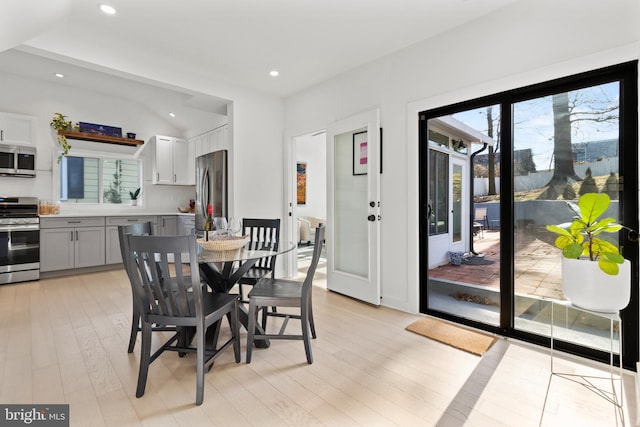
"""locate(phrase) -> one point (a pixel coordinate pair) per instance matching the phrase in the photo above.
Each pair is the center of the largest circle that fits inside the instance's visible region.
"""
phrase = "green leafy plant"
(134, 194)
(580, 237)
(59, 122)
(112, 194)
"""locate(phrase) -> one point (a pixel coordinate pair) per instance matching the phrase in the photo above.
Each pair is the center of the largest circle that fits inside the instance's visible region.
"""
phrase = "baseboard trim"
(74, 271)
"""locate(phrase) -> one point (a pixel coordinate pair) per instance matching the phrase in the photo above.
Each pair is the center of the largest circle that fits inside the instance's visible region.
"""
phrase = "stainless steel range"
(19, 239)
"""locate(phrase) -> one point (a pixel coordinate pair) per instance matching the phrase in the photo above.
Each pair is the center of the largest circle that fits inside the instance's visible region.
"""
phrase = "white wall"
(312, 150)
(530, 41)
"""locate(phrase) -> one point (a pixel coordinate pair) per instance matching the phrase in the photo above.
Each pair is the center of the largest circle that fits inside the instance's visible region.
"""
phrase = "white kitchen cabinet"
(17, 129)
(181, 163)
(213, 140)
(163, 160)
(210, 141)
(67, 243)
(171, 161)
(222, 142)
(112, 245)
(197, 142)
(191, 163)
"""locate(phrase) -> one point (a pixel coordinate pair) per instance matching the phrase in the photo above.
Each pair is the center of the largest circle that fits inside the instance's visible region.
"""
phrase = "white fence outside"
(540, 179)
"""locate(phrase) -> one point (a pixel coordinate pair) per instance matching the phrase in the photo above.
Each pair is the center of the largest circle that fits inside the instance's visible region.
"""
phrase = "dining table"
(221, 270)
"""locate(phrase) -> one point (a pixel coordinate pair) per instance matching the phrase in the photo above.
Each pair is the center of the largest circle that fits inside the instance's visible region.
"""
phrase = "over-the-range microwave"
(17, 160)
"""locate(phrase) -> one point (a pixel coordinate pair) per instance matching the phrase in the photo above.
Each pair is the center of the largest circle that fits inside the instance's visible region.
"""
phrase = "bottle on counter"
(208, 224)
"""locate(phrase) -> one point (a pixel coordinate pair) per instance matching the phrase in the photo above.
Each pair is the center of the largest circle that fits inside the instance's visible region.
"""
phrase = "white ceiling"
(232, 41)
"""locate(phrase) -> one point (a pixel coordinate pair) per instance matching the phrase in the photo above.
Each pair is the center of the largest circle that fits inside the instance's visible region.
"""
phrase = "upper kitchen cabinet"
(213, 140)
(17, 129)
(172, 161)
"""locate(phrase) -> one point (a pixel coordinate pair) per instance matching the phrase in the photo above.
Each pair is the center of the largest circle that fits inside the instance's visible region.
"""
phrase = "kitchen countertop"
(115, 213)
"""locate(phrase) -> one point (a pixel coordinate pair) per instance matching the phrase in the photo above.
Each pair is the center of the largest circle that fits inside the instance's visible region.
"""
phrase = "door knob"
(371, 217)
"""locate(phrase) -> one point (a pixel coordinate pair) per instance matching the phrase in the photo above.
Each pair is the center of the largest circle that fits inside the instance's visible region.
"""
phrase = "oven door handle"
(20, 227)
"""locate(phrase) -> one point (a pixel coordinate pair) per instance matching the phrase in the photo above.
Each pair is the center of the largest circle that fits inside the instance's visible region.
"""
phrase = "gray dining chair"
(139, 229)
(169, 293)
(270, 292)
(262, 232)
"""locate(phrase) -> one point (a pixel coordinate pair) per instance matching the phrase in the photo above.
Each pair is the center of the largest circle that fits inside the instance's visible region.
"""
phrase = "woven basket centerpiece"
(229, 243)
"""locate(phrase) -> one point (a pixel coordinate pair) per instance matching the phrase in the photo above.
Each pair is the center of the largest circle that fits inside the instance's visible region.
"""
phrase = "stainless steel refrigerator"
(211, 186)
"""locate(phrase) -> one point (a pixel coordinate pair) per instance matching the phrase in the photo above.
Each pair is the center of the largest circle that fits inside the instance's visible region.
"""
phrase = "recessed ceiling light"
(105, 8)
(59, 75)
(172, 114)
(274, 73)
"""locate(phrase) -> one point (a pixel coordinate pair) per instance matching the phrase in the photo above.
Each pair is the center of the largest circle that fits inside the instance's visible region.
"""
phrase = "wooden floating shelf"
(100, 138)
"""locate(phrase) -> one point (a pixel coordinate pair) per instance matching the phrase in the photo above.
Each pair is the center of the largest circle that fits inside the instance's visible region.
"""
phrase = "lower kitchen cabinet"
(113, 255)
(67, 243)
(70, 242)
(167, 225)
(187, 225)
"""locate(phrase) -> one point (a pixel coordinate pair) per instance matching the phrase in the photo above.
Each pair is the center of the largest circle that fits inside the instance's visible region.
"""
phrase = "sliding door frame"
(627, 75)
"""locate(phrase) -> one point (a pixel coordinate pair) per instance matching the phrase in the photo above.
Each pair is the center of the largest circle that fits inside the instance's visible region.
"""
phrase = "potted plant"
(595, 276)
(134, 196)
(59, 122)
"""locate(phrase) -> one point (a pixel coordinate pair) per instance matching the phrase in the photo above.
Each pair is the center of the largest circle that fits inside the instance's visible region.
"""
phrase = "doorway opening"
(310, 210)
(352, 208)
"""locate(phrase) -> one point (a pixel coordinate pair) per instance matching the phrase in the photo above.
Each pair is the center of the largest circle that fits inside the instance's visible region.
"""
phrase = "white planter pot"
(586, 286)
(134, 202)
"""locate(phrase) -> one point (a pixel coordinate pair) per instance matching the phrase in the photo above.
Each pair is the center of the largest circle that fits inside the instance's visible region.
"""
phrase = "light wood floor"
(64, 340)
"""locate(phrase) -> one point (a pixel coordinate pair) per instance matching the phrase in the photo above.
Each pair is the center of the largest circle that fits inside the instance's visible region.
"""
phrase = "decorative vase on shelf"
(588, 287)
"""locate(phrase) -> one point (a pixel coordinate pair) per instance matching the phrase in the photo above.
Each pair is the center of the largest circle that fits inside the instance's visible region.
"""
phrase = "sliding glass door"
(538, 148)
(572, 141)
(464, 255)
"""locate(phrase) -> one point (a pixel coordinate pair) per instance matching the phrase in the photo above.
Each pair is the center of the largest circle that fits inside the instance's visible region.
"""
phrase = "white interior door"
(353, 207)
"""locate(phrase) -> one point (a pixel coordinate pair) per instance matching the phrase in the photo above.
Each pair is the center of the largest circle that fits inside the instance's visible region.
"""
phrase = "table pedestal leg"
(223, 282)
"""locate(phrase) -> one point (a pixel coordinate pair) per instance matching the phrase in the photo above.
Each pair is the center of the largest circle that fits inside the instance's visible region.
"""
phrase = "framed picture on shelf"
(360, 153)
(97, 129)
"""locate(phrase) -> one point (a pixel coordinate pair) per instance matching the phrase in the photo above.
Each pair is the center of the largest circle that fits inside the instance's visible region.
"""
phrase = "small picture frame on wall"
(360, 160)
